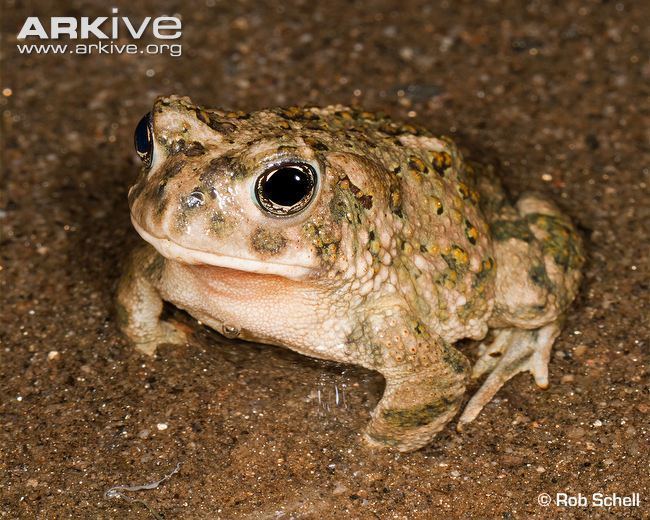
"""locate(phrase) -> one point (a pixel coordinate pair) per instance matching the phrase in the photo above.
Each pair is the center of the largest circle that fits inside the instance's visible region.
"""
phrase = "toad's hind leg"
(512, 351)
(539, 257)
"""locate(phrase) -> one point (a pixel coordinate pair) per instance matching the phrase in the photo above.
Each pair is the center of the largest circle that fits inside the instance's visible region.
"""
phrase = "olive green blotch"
(505, 229)
(420, 329)
(418, 415)
(456, 360)
(223, 166)
(562, 243)
(171, 170)
(440, 161)
(384, 439)
(268, 242)
(486, 272)
(324, 239)
(160, 193)
(338, 205)
(215, 122)
(395, 200)
(417, 165)
(376, 352)
(364, 199)
(315, 143)
(344, 205)
(538, 275)
(457, 259)
(194, 149)
(218, 223)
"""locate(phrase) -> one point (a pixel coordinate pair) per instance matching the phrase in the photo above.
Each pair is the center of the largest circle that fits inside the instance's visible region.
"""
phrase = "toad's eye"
(286, 189)
(143, 139)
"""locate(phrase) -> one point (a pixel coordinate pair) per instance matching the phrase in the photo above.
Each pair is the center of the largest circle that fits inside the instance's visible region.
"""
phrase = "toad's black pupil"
(143, 139)
(288, 185)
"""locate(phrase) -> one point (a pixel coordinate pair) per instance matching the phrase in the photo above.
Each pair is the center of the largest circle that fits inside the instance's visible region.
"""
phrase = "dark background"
(555, 93)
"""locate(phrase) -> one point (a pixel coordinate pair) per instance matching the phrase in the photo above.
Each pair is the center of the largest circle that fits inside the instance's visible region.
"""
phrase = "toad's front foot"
(413, 410)
(511, 352)
(163, 333)
(139, 304)
(423, 392)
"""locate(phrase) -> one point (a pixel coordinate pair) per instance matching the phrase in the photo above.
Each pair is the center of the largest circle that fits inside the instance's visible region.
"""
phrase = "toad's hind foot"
(511, 352)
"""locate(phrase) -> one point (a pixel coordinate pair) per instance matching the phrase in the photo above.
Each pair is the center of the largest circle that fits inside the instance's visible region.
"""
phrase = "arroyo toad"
(345, 236)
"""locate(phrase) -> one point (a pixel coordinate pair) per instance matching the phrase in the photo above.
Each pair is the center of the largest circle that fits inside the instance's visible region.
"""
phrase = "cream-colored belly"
(264, 308)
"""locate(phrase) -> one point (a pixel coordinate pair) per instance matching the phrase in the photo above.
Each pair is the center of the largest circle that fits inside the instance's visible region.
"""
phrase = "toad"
(343, 235)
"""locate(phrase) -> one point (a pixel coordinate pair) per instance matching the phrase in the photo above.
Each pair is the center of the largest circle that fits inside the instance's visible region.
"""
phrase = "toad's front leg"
(139, 304)
(425, 384)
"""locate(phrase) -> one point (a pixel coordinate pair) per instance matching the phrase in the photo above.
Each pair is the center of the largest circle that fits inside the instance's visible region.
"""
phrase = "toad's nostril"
(195, 199)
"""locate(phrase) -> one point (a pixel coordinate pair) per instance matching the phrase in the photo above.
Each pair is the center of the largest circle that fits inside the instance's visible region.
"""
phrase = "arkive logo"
(163, 27)
(108, 30)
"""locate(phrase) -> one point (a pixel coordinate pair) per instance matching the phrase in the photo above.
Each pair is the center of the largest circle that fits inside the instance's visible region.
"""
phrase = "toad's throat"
(173, 251)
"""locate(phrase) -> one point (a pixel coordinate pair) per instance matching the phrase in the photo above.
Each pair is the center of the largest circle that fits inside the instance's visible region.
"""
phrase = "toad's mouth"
(174, 251)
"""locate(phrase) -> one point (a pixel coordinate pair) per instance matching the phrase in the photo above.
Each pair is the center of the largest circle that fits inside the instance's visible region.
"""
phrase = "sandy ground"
(555, 93)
